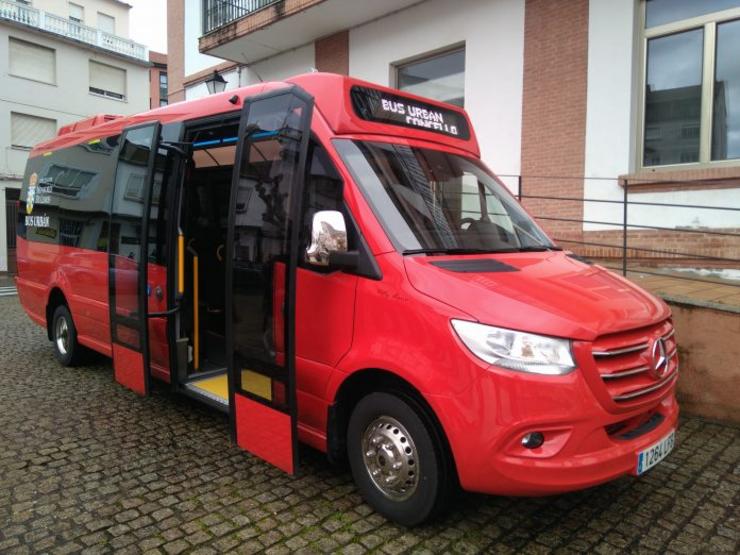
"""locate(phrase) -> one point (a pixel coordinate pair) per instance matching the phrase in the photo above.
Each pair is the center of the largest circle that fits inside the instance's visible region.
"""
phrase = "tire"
(64, 338)
(391, 441)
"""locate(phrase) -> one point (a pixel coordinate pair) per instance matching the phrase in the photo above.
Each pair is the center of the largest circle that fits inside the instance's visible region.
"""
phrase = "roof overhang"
(289, 24)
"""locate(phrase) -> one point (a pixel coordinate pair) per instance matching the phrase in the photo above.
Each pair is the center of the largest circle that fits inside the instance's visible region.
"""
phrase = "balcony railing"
(21, 13)
(217, 13)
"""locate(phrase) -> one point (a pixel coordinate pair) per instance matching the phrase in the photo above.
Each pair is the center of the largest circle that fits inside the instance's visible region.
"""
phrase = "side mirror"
(328, 236)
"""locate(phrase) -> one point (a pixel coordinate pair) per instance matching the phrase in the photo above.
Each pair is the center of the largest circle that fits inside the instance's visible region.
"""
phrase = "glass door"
(128, 256)
(262, 247)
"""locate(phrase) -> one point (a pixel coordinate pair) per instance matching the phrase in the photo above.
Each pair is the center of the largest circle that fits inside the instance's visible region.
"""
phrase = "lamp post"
(215, 83)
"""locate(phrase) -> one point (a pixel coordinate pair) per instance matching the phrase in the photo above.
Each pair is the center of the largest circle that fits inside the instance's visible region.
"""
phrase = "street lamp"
(215, 83)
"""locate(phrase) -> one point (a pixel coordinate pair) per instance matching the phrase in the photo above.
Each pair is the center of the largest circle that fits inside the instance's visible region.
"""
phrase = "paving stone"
(88, 467)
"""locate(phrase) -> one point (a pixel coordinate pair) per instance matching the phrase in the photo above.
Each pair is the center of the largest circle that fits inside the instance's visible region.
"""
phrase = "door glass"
(267, 193)
(261, 243)
(126, 232)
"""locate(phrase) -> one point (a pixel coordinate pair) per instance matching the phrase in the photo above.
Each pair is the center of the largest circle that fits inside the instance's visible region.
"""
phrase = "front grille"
(626, 363)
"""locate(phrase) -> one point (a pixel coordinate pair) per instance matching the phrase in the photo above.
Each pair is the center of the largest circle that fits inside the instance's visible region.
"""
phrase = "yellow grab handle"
(196, 336)
(181, 264)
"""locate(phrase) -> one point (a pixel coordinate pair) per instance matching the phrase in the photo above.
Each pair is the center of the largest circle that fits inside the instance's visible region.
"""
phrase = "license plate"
(655, 453)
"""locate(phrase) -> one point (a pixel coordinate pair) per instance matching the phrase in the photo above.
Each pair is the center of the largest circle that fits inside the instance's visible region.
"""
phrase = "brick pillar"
(332, 53)
(176, 50)
(554, 110)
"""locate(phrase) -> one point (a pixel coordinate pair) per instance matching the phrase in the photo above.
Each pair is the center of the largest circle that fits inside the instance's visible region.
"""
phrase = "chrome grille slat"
(622, 351)
(624, 361)
(649, 389)
(625, 373)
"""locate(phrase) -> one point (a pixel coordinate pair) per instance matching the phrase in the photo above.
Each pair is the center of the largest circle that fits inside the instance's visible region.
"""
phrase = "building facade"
(158, 80)
(575, 99)
(60, 62)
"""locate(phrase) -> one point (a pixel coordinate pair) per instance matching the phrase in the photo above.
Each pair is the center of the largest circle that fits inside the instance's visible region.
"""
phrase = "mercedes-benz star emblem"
(659, 359)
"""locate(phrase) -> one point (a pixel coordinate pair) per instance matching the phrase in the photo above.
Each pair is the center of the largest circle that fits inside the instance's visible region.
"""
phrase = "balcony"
(246, 31)
(217, 13)
(51, 23)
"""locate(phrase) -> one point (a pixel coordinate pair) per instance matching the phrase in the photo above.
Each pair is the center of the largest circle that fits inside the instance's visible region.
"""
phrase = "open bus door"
(262, 247)
(128, 256)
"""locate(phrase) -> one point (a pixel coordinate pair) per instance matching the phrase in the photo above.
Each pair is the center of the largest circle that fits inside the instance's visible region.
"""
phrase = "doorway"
(204, 217)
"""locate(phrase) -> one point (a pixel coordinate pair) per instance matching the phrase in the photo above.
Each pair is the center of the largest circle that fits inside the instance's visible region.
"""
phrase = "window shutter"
(108, 78)
(32, 61)
(76, 12)
(106, 23)
(27, 131)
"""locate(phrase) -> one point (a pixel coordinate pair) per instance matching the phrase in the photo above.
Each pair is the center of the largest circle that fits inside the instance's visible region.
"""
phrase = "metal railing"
(52, 23)
(626, 237)
(217, 13)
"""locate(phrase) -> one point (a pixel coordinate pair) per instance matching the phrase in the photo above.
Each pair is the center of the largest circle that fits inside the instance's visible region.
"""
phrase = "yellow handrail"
(181, 264)
(196, 336)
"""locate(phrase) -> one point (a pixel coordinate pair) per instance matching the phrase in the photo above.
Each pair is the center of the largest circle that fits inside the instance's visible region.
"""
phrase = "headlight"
(516, 350)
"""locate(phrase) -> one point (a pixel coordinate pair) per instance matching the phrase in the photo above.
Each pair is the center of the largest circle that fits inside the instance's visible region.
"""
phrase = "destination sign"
(394, 109)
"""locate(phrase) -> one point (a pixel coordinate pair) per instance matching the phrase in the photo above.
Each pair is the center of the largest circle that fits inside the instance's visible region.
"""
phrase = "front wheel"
(397, 461)
(64, 336)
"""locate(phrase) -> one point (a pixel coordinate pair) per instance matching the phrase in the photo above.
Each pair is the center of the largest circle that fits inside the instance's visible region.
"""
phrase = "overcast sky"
(148, 23)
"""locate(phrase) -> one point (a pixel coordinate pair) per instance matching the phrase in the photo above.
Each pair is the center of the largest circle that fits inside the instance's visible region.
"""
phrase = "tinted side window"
(66, 194)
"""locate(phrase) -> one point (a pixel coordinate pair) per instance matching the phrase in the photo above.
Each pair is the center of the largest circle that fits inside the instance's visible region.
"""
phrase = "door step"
(214, 390)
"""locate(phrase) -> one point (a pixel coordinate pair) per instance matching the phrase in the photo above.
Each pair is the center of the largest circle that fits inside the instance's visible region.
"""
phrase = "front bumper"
(584, 445)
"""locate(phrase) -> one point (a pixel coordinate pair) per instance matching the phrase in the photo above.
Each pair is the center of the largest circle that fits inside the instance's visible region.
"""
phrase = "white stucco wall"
(613, 78)
(493, 34)
(286, 64)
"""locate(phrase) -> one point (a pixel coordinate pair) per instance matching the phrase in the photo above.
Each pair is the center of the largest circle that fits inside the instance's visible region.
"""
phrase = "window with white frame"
(440, 76)
(691, 95)
(27, 131)
(107, 23)
(107, 80)
(32, 61)
(76, 13)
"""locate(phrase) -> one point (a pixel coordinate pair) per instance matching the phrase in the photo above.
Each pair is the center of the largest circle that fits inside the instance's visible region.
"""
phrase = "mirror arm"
(349, 260)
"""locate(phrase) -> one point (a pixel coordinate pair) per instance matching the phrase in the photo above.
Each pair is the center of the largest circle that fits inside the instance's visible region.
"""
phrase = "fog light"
(533, 440)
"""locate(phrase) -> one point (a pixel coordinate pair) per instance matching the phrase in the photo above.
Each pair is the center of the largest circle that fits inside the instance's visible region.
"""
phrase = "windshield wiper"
(537, 248)
(450, 250)
(460, 250)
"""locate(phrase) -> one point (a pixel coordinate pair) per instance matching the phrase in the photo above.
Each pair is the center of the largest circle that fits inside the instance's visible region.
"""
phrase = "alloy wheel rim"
(62, 335)
(390, 458)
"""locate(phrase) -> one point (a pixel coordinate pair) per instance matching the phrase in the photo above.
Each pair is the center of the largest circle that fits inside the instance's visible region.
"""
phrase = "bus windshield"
(435, 202)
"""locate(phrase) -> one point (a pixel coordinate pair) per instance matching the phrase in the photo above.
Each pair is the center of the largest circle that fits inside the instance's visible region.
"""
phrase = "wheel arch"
(370, 380)
(55, 299)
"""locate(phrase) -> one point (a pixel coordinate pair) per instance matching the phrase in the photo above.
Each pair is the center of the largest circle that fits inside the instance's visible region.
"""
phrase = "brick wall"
(176, 50)
(332, 53)
(679, 246)
(554, 104)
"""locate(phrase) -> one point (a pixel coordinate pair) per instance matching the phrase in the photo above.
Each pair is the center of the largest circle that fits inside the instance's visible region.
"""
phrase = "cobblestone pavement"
(86, 466)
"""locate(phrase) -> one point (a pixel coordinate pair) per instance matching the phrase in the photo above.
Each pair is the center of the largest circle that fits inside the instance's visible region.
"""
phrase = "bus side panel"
(63, 231)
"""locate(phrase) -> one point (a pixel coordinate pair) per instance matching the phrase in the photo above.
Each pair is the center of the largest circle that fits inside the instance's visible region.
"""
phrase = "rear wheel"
(397, 461)
(64, 336)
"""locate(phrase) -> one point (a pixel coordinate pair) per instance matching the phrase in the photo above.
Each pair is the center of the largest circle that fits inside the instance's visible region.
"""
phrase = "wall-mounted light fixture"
(216, 83)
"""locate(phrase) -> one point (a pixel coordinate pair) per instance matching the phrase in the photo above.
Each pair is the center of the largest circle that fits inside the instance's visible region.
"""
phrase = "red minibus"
(329, 262)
